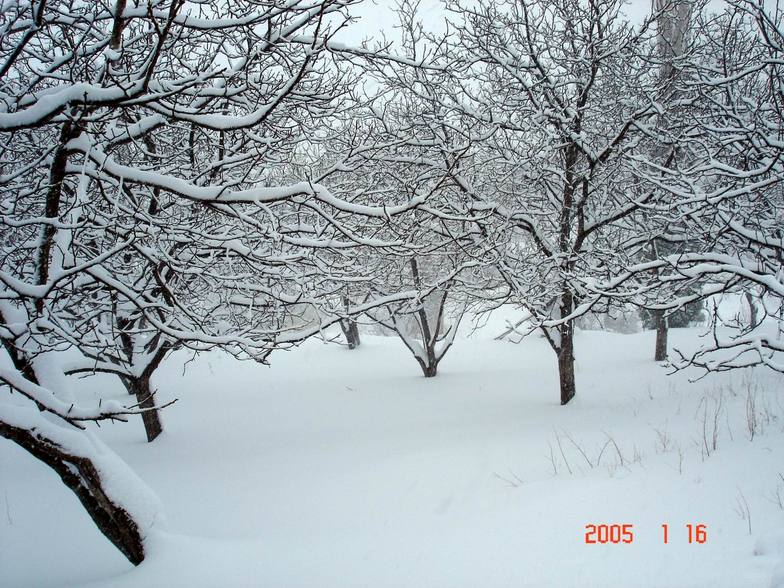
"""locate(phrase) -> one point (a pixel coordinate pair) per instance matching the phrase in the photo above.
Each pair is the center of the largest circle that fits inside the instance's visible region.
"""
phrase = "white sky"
(378, 15)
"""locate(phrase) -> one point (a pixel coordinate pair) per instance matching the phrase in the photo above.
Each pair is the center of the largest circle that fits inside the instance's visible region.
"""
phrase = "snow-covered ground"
(337, 468)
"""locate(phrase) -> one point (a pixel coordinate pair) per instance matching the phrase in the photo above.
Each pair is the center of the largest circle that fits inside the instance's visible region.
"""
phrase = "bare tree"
(673, 20)
(729, 188)
(567, 95)
(148, 204)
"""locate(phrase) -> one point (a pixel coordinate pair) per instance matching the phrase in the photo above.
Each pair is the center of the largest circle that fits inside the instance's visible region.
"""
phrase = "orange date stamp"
(624, 533)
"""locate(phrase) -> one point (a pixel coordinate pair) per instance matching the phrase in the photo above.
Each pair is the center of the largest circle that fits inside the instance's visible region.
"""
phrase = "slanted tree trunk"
(78, 473)
(83, 478)
(662, 329)
(140, 388)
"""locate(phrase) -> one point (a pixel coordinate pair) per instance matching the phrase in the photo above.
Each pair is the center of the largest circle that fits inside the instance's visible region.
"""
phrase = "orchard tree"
(147, 205)
(568, 96)
(673, 21)
(730, 188)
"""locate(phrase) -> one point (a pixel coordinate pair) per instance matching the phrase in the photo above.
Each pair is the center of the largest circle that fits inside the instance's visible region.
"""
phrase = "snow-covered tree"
(148, 204)
(673, 21)
(730, 187)
(402, 145)
(567, 94)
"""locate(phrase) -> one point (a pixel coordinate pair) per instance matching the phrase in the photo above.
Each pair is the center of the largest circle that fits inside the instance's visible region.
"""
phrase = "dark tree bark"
(350, 328)
(662, 329)
(566, 365)
(436, 338)
(430, 370)
(561, 340)
(565, 351)
(82, 477)
(753, 318)
(429, 338)
(53, 197)
(354, 333)
(22, 364)
(673, 24)
(140, 388)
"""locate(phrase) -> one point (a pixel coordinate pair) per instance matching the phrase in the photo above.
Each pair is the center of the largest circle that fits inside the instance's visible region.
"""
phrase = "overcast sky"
(378, 15)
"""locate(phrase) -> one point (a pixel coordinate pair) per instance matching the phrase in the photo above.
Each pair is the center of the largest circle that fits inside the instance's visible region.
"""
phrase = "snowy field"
(337, 468)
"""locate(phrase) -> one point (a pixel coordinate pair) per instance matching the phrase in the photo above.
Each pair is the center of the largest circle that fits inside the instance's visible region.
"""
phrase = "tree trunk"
(53, 197)
(662, 330)
(354, 332)
(429, 364)
(83, 478)
(564, 349)
(140, 387)
(349, 327)
(566, 363)
(753, 319)
(431, 369)
(350, 332)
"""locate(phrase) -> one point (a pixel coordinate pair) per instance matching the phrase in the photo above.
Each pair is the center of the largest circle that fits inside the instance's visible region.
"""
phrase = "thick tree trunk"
(52, 212)
(565, 350)
(140, 388)
(566, 364)
(662, 329)
(430, 370)
(349, 327)
(430, 364)
(351, 333)
(22, 364)
(84, 480)
(354, 333)
(753, 319)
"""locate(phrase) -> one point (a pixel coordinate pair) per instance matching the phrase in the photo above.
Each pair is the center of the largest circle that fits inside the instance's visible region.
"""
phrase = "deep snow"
(337, 468)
